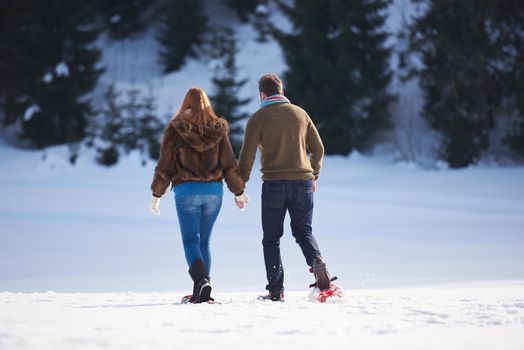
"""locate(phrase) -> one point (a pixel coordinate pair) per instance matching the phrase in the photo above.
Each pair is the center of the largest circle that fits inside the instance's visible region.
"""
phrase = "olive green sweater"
(284, 133)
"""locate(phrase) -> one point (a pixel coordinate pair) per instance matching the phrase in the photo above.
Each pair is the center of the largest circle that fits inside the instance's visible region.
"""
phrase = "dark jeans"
(279, 197)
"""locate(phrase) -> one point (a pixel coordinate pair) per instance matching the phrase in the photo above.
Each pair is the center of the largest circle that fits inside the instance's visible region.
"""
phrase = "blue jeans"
(196, 214)
(279, 197)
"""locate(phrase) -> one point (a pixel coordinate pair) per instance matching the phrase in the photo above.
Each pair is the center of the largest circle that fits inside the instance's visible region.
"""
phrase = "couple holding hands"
(196, 156)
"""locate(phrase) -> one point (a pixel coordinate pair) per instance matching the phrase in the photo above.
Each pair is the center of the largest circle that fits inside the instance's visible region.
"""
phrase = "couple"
(196, 155)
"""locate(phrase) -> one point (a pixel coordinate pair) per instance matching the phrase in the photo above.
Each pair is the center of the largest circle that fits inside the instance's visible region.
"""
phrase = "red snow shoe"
(333, 292)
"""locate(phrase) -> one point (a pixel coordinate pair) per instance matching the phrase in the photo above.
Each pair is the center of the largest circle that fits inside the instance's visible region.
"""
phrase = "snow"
(62, 70)
(115, 18)
(30, 111)
(468, 316)
(48, 77)
(262, 9)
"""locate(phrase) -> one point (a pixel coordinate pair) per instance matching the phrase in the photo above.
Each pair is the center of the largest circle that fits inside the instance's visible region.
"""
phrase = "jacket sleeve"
(229, 166)
(315, 147)
(249, 149)
(166, 164)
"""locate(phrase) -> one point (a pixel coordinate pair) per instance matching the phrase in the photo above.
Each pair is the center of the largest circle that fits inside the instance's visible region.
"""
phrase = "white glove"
(154, 205)
(242, 200)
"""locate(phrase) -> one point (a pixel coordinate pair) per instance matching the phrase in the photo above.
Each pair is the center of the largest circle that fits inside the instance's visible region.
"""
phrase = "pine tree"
(132, 114)
(123, 17)
(243, 8)
(126, 125)
(150, 129)
(226, 86)
(508, 21)
(464, 73)
(48, 65)
(181, 31)
(109, 129)
(338, 68)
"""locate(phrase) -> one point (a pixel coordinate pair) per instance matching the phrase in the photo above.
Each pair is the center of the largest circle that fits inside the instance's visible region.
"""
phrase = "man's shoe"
(322, 278)
(274, 295)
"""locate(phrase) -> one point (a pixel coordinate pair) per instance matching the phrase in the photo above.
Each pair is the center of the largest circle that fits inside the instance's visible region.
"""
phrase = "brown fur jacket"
(196, 158)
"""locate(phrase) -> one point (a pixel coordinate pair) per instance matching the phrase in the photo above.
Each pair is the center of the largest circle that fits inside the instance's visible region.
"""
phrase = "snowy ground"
(486, 316)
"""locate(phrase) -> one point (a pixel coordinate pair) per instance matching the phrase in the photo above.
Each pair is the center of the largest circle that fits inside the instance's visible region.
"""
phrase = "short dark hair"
(270, 84)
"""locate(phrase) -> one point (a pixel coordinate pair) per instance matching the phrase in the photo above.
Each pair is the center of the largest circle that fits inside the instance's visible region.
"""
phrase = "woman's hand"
(154, 205)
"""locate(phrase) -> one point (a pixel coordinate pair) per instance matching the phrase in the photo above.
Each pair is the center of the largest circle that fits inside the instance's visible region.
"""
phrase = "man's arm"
(249, 148)
(315, 147)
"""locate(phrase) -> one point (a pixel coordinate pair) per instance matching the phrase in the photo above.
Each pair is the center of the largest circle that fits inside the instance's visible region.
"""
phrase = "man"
(284, 133)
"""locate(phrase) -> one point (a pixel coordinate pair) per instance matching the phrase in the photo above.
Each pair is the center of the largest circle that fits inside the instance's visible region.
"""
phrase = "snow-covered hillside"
(485, 316)
(135, 62)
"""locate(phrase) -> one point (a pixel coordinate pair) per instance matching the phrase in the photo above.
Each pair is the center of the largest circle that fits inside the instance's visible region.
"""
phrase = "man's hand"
(242, 200)
(314, 185)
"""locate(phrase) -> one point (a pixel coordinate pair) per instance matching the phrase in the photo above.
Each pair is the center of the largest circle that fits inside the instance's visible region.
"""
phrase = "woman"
(195, 156)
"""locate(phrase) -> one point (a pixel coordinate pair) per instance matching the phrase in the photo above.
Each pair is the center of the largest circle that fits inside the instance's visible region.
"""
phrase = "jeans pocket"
(306, 187)
(305, 199)
(185, 201)
(273, 195)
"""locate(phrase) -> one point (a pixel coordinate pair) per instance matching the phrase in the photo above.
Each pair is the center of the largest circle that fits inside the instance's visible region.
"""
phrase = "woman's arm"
(229, 165)
(166, 164)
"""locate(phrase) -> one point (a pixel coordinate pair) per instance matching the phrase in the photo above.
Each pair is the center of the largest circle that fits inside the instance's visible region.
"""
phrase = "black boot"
(201, 286)
(322, 278)
(275, 294)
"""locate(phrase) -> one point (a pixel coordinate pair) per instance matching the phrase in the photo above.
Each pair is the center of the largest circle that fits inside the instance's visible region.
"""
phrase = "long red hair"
(201, 114)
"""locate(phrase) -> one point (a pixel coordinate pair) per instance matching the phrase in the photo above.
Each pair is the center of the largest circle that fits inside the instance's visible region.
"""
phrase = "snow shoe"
(322, 296)
(188, 299)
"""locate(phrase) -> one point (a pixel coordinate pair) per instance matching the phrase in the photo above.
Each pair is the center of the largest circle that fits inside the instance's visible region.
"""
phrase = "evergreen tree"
(48, 65)
(469, 69)
(123, 17)
(109, 129)
(226, 86)
(132, 114)
(243, 8)
(127, 125)
(181, 31)
(508, 25)
(151, 128)
(261, 23)
(338, 68)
